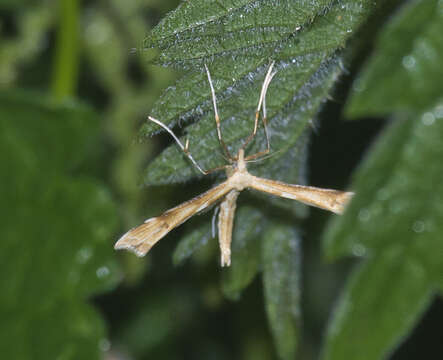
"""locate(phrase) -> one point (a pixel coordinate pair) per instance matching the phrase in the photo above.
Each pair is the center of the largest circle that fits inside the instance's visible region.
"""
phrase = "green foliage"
(55, 249)
(58, 221)
(307, 62)
(237, 41)
(407, 60)
(394, 222)
(192, 241)
(281, 282)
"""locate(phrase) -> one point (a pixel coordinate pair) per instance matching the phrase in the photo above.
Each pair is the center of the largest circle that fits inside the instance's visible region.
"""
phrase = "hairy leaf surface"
(306, 60)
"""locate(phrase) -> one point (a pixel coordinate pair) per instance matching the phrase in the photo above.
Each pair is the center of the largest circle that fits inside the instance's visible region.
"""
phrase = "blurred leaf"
(15, 4)
(49, 135)
(237, 43)
(246, 244)
(281, 281)
(55, 248)
(402, 73)
(157, 319)
(191, 242)
(380, 304)
(395, 219)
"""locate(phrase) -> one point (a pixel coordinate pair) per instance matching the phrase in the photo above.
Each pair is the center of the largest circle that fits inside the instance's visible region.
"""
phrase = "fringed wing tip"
(125, 243)
(344, 199)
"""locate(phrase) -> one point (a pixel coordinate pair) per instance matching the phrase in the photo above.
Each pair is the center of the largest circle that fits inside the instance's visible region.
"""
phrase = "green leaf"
(58, 138)
(289, 118)
(395, 219)
(191, 242)
(160, 317)
(306, 61)
(190, 17)
(380, 304)
(15, 4)
(281, 281)
(406, 62)
(246, 244)
(51, 220)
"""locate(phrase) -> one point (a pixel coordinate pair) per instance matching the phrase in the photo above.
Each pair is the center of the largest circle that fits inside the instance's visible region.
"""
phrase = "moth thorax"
(241, 164)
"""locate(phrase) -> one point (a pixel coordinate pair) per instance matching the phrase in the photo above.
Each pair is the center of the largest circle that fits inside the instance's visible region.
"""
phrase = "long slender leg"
(261, 102)
(185, 148)
(217, 117)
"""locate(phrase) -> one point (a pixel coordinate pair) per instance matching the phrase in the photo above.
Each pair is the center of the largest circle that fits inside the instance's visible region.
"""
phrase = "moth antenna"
(184, 148)
(217, 117)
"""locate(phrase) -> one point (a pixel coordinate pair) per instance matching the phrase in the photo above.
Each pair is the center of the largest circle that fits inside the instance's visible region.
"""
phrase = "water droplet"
(297, 28)
(428, 118)
(438, 112)
(364, 215)
(104, 344)
(97, 33)
(408, 62)
(358, 250)
(382, 194)
(102, 272)
(84, 254)
(293, 61)
(418, 226)
(398, 206)
(349, 31)
(358, 85)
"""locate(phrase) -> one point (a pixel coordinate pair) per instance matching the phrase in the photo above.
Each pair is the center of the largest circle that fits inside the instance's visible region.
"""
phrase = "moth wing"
(332, 200)
(139, 240)
(225, 226)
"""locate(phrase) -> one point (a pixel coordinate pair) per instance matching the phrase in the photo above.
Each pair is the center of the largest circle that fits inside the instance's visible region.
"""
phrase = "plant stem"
(64, 80)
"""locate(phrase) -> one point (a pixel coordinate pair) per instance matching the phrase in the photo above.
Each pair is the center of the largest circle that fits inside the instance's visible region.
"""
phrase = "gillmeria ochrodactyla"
(140, 239)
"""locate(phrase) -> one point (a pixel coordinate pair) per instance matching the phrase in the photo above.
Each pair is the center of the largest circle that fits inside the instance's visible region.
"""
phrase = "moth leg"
(217, 118)
(225, 226)
(184, 148)
(262, 103)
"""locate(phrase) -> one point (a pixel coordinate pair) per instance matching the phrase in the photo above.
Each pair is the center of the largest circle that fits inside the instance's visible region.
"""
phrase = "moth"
(141, 238)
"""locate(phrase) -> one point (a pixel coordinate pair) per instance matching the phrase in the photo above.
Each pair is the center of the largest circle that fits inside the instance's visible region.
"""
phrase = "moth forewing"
(225, 225)
(332, 200)
(139, 240)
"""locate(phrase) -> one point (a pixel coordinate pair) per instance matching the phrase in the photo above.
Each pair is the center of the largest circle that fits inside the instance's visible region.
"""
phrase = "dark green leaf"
(208, 18)
(402, 73)
(392, 192)
(395, 218)
(50, 135)
(191, 242)
(289, 117)
(307, 67)
(246, 244)
(49, 221)
(380, 304)
(16, 4)
(281, 281)
(156, 319)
